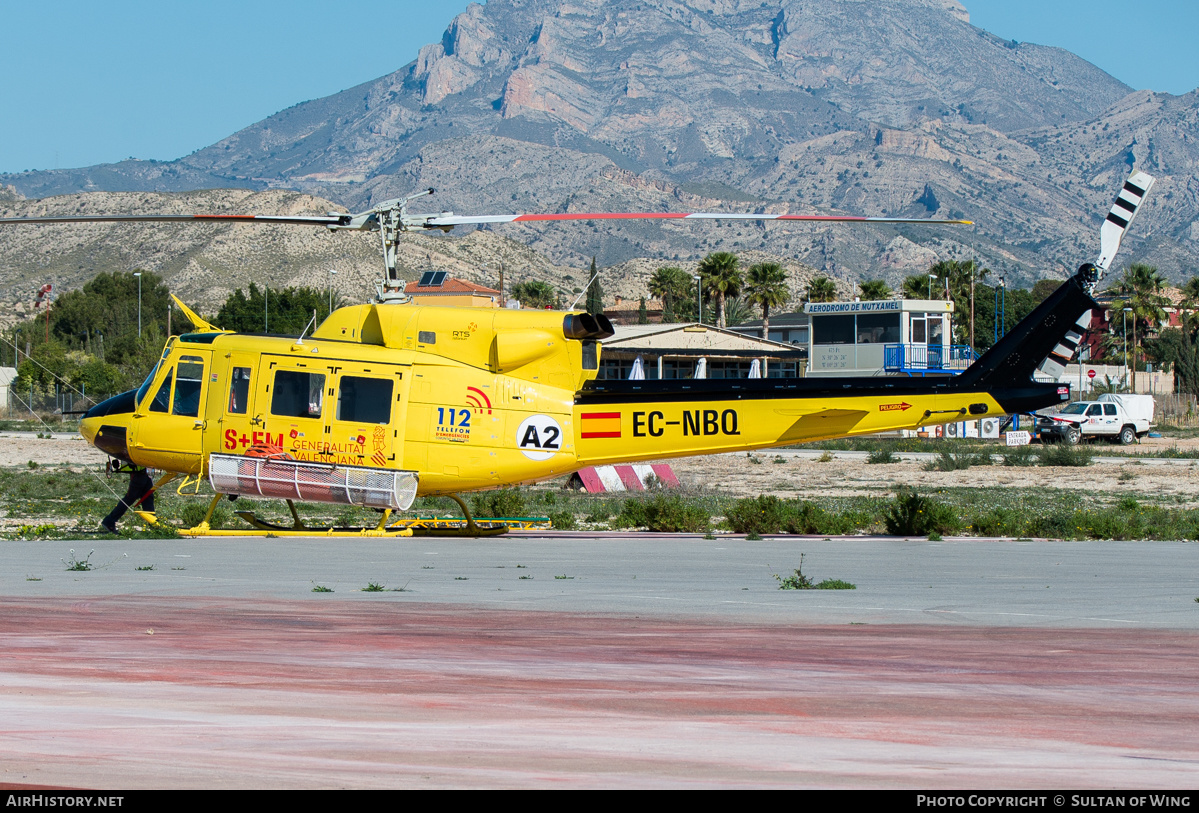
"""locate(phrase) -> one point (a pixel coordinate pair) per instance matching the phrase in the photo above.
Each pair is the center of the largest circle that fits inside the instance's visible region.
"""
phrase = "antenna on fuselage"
(304, 333)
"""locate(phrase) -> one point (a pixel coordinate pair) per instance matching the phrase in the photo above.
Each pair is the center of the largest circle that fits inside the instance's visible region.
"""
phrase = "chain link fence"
(1176, 409)
(51, 408)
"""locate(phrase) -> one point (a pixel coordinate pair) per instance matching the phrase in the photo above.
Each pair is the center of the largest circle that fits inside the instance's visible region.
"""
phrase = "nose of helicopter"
(106, 425)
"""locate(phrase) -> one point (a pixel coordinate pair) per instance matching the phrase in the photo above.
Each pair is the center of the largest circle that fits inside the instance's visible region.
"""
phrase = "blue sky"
(87, 83)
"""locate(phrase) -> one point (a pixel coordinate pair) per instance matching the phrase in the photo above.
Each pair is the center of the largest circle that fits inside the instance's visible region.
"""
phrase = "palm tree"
(1190, 292)
(720, 278)
(1141, 290)
(917, 286)
(766, 287)
(874, 289)
(737, 310)
(671, 285)
(820, 289)
(958, 277)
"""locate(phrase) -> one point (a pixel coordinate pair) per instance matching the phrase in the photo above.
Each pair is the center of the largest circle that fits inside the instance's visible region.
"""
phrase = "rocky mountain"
(875, 107)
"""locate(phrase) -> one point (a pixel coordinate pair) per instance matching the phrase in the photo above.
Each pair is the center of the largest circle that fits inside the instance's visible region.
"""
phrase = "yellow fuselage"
(468, 399)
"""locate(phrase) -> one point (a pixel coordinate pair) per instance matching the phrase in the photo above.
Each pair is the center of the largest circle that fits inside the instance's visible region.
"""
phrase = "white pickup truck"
(1119, 418)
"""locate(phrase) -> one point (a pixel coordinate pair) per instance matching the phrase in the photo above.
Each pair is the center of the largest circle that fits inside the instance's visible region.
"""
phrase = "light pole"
(931, 277)
(699, 299)
(138, 274)
(1126, 312)
(1001, 309)
(332, 271)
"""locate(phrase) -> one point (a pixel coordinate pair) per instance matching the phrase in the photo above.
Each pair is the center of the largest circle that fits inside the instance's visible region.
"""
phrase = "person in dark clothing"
(141, 490)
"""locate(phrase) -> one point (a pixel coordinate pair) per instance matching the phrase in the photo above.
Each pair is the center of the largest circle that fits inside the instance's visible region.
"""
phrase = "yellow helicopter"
(389, 400)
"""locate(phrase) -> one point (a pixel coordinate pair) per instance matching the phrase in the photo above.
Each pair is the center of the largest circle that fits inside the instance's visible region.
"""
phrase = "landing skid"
(401, 527)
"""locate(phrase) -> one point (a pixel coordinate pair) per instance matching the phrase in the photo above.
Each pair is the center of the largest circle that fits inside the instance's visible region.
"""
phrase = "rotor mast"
(391, 218)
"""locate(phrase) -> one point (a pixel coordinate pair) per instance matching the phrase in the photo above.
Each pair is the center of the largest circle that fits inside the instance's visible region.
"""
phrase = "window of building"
(878, 328)
(837, 329)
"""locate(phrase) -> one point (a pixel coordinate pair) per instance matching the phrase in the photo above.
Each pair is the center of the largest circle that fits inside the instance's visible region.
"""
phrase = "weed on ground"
(798, 581)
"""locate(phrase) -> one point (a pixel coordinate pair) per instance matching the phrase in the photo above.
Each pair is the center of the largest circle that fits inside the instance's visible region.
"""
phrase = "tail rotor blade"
(1127, 204)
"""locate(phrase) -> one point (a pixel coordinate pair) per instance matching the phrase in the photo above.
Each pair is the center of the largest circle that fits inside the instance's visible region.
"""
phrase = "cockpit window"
(144, 388)
(162, 401)
(187, 386)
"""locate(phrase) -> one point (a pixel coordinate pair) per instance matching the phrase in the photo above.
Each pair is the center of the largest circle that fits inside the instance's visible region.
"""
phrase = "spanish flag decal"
(600, 424)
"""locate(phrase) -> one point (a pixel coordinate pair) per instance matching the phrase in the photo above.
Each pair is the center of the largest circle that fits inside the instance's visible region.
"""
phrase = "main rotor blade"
(445, 220)
(297, 220)
(455, 220)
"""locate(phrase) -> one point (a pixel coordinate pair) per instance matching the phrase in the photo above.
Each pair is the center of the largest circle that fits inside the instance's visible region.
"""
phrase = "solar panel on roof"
(430, 279)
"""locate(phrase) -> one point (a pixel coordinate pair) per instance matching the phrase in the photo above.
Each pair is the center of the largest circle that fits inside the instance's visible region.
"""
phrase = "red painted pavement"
(164, 692)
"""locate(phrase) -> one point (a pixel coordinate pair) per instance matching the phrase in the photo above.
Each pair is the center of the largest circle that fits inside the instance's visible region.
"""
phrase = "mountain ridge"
(875, 108)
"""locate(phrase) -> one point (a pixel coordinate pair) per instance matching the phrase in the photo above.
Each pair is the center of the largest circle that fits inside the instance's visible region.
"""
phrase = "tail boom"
(629, 421)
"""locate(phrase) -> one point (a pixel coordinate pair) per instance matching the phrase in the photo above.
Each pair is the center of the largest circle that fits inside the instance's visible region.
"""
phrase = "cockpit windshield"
(141, 391)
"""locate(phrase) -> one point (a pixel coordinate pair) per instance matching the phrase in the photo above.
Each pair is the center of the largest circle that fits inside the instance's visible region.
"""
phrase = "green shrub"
(759, 515)
(834, 584)
(956, 461)
(598, 515)
(809, 518)
(1019, 456)
(982, 457)
(504, 502)
(998, 522)
(913, 515)
(1054, 525)
(949, 461)
(663, 513)
(1059, 454)
(192, 514)
(882, 456)
(563, 520)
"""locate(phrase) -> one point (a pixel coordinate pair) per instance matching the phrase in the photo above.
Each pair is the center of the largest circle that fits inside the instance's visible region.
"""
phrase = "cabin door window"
(366, 417)
(290, 410)
(239, 391)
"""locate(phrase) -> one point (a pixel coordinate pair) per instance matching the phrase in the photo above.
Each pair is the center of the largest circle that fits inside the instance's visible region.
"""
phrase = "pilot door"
(169, 428)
